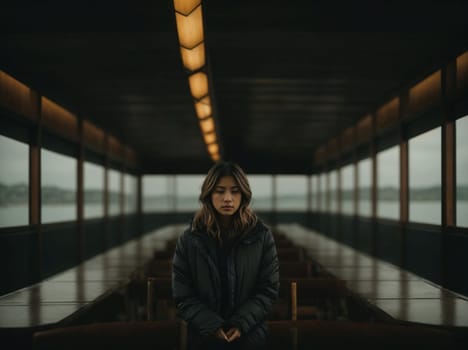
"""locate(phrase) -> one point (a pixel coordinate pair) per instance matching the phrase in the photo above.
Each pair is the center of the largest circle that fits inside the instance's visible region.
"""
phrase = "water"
(423, 211)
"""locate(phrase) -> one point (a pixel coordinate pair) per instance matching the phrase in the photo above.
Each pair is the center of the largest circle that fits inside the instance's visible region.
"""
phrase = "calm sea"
(424, 211)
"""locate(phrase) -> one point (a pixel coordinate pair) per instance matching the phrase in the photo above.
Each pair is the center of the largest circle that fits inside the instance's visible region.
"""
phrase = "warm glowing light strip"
(18, 97)
(189, 21)
(23, 101)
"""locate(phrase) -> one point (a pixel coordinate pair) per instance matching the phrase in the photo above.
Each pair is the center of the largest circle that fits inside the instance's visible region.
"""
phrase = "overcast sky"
(61, 170)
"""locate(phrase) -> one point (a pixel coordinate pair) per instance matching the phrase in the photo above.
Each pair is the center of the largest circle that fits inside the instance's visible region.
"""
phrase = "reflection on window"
(462, 171)
(188, 189)
(425, 177)
(14, 182)
(114, 192)
(291, 192)
(58, 187)
(158, 193)
(347, 189)
(93, 184)
(130, 191)
(261, 186)
(388, 170)
(333, 184)
(365, 187)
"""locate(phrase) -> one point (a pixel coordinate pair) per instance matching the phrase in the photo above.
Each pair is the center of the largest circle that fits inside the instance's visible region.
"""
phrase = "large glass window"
(158, 193)
(365, 187)
(130, 191)
(425, 177)
(347, 188)
(14, 182)
(93, 184)
(291, 192)
(313, 192)
(261, 186)
(114, 192)
(388, 170)
(462, 171)
(188, 188)
(333, 185)
(323, 183)
(58, 187)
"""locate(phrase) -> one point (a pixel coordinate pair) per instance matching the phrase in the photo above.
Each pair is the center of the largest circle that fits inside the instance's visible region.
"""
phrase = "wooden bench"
(159, 298)
(158, 268)
(311, 298)
(291, 254)
(299, 269)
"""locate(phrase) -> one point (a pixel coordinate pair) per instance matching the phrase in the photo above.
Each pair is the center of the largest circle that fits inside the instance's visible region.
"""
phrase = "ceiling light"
(213, 148)
(193, 59)
(209, 137)
(207, 125)
(185, 6)
(205, 100)
(190, 28)
(203, 110)
(198, 85)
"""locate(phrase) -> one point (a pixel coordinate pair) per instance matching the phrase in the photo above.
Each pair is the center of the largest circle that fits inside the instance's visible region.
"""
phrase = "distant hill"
(18, 194)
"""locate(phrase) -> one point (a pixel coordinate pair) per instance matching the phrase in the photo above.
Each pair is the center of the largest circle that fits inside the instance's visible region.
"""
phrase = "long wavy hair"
(207, 216)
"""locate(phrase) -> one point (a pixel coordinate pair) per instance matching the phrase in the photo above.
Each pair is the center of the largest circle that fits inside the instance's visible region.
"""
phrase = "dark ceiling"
(286, 76)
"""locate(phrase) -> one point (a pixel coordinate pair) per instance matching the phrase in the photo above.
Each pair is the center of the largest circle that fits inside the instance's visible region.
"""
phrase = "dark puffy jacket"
(253, 279)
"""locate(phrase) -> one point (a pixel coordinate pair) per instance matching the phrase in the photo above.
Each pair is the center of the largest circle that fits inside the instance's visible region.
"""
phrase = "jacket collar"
(249, 237)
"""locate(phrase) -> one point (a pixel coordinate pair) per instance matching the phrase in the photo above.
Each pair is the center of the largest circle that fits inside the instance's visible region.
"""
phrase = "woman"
(225, 268)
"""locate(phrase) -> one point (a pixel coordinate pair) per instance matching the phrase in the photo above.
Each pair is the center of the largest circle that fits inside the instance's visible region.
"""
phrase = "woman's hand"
(232, 334)
(221, 335)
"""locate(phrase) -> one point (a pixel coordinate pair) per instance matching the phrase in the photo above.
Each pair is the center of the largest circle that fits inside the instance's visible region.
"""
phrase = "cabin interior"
(349, 119)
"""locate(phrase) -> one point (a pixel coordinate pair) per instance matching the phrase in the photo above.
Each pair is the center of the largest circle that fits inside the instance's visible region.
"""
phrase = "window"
(333, 185)
(14, 182)
(114, 192)
(347, 188)
(425, 177)
(291, 192)
(261, 186)
(188, 189)
(58, 187)
(365, 187)
(93, 184)
(158, 194)
(462, 171)
(313, 192)
(388, 195)
(323, 189)
(130, 191)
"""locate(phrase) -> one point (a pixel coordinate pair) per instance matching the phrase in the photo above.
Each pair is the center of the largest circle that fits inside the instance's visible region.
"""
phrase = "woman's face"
(226, 197)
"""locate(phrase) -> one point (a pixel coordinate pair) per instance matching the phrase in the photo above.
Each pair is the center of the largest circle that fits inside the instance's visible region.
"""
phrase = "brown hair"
(206, 217)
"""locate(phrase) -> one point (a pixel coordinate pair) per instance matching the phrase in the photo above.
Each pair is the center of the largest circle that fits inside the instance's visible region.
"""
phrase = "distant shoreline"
(19, 194)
